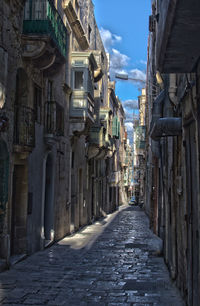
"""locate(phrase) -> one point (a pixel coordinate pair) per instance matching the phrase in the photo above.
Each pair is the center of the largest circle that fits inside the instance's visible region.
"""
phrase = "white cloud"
(129, 126)
(118, 62)
(129, 115)
(117, 38)
(138, 75)
(143, 62)
(130, 104)
(109, 39)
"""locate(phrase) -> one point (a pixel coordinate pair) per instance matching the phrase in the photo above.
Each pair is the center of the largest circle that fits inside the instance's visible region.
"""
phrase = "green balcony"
(41, 19)
(97, 136)
(140, 144)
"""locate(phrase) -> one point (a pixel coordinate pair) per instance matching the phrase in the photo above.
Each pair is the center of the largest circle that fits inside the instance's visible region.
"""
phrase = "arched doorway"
(4, 171)
(49, 200)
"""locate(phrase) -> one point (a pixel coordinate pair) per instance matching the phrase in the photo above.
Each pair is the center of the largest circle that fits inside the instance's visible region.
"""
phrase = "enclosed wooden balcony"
(140, 144)
(104, 115)
(97, 143)
(177, 35)
(82, 98)
(44, 39)
(82, 107)
(97, 136)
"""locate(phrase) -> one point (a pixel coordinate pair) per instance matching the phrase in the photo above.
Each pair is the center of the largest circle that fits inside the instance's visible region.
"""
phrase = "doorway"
(4, 172)
(19, 210)
(48, 201)
(192, 215)
(80, 196)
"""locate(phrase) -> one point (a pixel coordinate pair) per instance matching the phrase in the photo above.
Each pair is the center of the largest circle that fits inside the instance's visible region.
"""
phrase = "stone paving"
(112, 262)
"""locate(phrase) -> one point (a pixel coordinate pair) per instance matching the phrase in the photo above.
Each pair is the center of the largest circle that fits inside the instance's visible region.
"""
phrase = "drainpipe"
(173, 89)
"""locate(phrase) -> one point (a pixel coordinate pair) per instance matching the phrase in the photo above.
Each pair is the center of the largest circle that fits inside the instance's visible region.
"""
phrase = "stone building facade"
(172, 176)
(58, 133)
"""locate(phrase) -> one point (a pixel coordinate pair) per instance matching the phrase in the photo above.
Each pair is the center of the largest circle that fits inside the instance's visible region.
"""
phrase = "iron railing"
(24, 132)
(54, 118)
(42, 18)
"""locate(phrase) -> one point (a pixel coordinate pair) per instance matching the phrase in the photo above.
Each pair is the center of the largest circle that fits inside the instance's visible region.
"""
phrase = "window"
(72, 161)
(50, 91)
(59, 120)
(38, 104)
(37, 10)
(77, 103)
(110, 194)
(102, 57)
(89, 33)
(78, 80)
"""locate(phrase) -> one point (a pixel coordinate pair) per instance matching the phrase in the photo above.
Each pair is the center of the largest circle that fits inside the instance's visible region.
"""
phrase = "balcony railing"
(42, 18)
(54, 119)
(24, 133)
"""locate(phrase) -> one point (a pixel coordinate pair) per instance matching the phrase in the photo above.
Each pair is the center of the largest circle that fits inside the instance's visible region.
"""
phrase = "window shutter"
(114, 126)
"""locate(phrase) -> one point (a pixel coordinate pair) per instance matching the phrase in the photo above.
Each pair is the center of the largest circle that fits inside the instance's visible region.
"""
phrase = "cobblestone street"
(112, 262)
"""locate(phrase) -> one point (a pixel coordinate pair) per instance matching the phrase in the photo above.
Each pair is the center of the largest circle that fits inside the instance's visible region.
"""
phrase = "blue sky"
(124, 29)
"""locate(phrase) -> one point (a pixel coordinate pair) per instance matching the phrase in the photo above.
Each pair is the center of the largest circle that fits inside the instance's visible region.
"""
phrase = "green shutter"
(118, 130)
(114, 126)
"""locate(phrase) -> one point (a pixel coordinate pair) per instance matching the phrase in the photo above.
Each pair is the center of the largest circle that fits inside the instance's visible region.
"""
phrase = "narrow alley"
(115, 261)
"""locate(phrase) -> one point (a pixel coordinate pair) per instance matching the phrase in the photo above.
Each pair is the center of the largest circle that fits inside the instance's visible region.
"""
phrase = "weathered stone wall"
(178, 193)
(10, 50)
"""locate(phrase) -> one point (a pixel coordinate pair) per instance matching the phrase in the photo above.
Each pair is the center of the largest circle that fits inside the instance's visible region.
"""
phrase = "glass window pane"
(79, 103)
(78, 80)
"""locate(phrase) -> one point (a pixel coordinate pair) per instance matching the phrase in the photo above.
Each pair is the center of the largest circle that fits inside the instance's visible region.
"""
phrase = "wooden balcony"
(82, 99)
(44, 39)
(97, 136)
(140, 144)
(177, 35)
(97, 145)
(82, 108)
